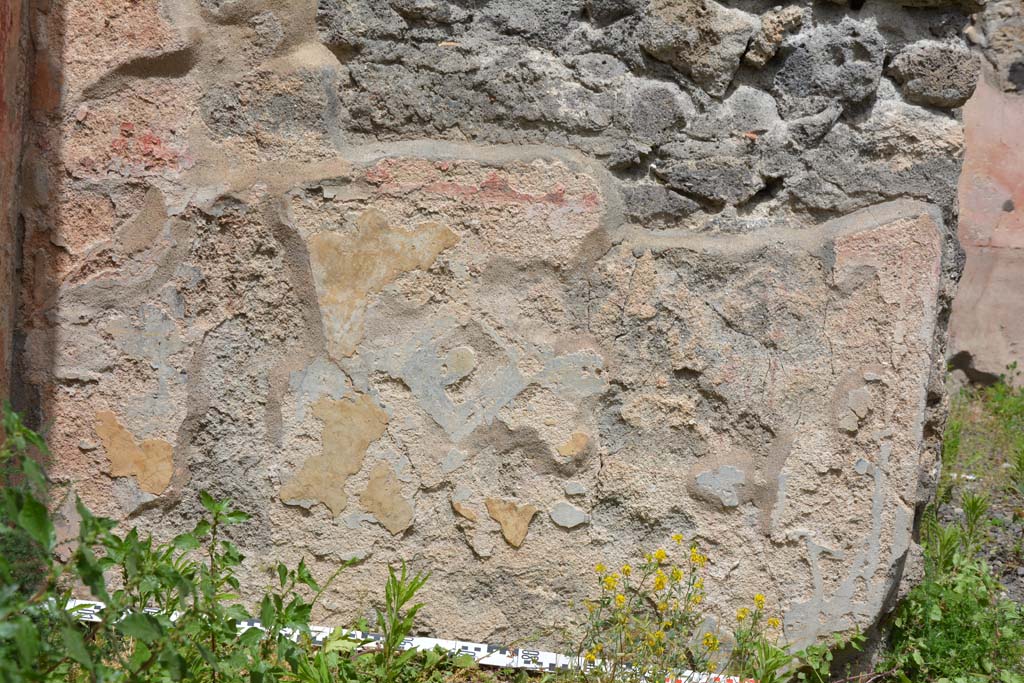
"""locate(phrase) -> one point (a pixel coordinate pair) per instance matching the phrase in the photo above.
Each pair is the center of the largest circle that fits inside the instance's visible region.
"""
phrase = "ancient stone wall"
(14, 51)
(504, 288)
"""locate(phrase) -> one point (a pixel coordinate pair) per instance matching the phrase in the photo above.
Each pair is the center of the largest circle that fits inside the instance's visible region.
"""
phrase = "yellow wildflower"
(620, 600)
(610, 582)
(660, 580)
(742, 613)
(774, 623)
(662, 606)
(697, 598)
(655, 638)
(591, 606)
(678, 538)
(711, 642)
(759, 601)
(626, 570)
(696, 557)
(660, 555)
(677, 574)
(600, 568)
(590, 657)
(699, 583)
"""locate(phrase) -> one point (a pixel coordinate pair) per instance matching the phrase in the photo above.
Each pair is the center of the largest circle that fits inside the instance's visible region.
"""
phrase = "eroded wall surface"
(505, 288)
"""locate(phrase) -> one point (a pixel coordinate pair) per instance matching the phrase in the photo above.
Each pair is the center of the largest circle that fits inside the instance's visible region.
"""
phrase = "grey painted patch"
(461, 494)
(354, 519)
(568, 516)
(318, 379)
(420, 363)
(722, 484)
(453, 460)
(574, 488)
(860, 402)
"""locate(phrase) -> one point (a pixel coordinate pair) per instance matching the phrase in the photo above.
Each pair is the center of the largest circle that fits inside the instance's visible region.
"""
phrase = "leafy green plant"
(1017, 470)
(173, 615)
(957, 624)
(395, 623)
(173, 610)
(976, 520)
(24, 535)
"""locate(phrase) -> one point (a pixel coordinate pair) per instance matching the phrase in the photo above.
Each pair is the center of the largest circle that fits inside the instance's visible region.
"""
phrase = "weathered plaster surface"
(504, 291)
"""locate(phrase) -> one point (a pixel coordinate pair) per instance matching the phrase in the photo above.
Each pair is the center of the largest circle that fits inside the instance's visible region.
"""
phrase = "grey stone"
(347, 25)
(568, 516)
(938, 74)
(657, 113)
(719, 172)
(774, 26)
(700, 38)
(607, 11)
(746, 110)
(807, 131)
(858, 165)
(849, 423)
(828, 63)
(656, 205)
(461, 494)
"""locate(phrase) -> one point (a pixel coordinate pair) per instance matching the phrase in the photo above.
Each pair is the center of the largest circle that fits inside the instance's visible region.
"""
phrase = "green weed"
(957, 625)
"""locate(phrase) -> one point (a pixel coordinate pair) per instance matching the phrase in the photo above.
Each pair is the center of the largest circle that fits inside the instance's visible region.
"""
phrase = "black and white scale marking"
(483, 654)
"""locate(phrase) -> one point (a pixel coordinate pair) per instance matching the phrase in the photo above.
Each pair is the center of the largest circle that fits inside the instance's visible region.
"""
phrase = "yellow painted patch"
(576, 444)
(348, 268)
(383, 497)
(464, 510)
(350, 426)
(150, 462)
(514, 519)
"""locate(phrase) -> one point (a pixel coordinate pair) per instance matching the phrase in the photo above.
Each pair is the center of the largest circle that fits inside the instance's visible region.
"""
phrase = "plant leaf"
(34, 518)
(144, 627)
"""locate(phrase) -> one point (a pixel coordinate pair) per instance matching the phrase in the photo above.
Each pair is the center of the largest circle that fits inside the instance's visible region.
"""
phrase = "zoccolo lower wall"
(503, 291)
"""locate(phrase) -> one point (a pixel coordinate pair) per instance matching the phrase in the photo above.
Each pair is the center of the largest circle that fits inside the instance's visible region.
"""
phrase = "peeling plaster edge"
(818, 239)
